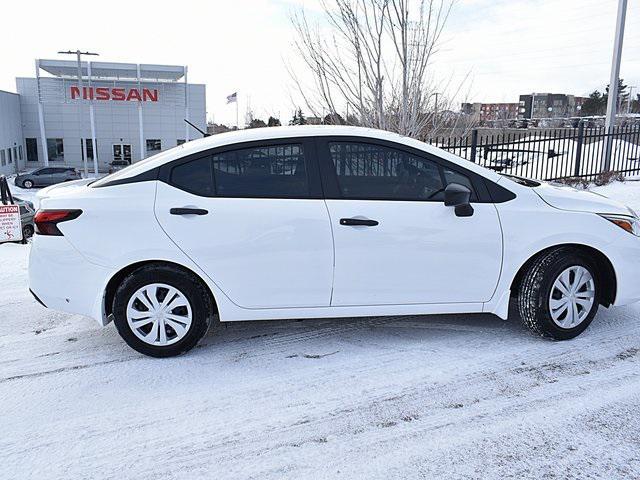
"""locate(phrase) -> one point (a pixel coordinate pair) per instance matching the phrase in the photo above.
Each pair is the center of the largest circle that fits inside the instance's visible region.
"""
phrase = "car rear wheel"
(27, 184)
(162, 311)
(559, 294)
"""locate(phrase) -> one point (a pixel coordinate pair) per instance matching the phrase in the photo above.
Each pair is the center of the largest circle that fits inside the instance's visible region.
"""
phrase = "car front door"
(253, 218)
(42, 177)
(395, 240)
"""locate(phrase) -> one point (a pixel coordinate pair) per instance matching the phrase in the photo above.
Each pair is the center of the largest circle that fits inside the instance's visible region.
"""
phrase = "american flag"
(232, 98)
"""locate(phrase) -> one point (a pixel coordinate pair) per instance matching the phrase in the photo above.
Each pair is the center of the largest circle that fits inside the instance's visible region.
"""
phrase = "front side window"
(378, 172)
(55, 149)
(369, 171)
(277, 171)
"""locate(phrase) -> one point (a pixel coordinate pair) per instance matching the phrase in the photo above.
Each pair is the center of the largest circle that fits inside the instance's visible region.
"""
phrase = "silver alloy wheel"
(159, 314)
(572, 296)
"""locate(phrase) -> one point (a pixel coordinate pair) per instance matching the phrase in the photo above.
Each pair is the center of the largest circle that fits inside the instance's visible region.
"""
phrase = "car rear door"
(253, 218)
(58, 175)
(395, 240)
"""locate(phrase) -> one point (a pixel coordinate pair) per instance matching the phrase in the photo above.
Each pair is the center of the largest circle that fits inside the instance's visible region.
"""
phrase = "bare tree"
(372, 58)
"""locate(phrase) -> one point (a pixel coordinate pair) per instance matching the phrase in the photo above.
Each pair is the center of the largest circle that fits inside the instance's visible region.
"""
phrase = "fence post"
(474, 144)
(580, 142)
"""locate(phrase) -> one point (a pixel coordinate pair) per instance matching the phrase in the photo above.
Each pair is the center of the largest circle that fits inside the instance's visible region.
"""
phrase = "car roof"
(274, 133)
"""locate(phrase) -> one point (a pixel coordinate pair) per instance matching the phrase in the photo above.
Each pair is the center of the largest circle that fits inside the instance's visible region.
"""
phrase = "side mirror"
(458, 196)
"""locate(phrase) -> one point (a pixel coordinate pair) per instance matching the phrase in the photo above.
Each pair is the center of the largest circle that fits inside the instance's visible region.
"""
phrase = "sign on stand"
(10, 223)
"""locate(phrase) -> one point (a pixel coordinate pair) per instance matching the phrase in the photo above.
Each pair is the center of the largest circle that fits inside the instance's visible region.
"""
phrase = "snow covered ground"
(406, 397)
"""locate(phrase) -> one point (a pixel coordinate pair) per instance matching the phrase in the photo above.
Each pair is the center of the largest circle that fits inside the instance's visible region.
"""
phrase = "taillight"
(47, 220)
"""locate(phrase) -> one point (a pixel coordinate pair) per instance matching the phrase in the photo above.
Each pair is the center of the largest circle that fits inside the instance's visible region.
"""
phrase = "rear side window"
(194, 177)
(277, 171)
(369, 171)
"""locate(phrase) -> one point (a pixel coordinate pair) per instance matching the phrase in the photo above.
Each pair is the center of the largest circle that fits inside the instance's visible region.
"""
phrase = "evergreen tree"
(596, 104)
(273, 122)
(622, 94)
(298, 118)
(256, 123)
(333, 119)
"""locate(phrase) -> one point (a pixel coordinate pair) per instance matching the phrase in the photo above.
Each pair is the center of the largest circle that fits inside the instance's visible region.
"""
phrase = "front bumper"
(624, 254)
(62, 279)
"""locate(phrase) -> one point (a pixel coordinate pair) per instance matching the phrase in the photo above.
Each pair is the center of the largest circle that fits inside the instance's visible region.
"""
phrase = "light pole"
(78, 55)
(612, 102)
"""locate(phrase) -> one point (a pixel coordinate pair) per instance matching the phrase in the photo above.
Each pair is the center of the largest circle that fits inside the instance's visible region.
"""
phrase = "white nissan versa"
(300, 222)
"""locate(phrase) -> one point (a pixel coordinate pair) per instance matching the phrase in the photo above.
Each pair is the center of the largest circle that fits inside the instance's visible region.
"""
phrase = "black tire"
(27, 231)
(535, 290)
(27, 184)
(190, 286)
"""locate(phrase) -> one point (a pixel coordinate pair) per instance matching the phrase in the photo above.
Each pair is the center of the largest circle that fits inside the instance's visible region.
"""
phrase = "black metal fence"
(552, 153)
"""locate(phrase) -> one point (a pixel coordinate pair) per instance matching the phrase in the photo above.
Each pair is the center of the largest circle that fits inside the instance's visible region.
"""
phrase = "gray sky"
(506, 47)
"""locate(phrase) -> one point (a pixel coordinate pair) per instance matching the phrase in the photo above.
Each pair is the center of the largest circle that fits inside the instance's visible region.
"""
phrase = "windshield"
(527, 182)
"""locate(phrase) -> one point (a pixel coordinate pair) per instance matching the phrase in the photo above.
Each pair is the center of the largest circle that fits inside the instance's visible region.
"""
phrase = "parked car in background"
(44, 176)
(325, 221)
(27, 211)
(118, 165)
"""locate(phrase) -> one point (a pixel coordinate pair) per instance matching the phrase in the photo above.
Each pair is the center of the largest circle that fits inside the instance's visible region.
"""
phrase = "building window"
(89, 148)
(9, 160)
(55, 149)
(180, 141)
(15, 153)
(153, 145)
(32, 149)
(20, 152)
(3, 162)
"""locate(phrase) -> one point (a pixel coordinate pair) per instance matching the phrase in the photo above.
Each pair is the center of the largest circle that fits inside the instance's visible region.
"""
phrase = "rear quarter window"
(194, 177)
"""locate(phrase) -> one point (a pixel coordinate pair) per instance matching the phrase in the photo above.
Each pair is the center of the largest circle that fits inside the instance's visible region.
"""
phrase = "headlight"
(630, 224)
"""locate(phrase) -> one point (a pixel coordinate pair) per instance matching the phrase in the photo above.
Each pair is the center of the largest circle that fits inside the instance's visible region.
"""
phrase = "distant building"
(549, 105)
(119, 111)
(487, 112)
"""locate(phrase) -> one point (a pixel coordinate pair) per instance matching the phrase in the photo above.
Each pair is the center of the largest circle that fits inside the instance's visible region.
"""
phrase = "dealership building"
(103, 112)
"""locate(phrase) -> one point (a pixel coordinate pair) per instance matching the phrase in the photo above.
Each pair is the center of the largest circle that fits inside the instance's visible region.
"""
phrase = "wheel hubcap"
(159, 314)
(572, 296)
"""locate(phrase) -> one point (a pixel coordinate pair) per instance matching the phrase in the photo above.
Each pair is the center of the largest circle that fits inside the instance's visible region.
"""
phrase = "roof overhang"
(110, 70)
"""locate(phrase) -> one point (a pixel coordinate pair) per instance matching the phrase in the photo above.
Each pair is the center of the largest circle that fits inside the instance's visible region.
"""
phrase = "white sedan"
(302, 222)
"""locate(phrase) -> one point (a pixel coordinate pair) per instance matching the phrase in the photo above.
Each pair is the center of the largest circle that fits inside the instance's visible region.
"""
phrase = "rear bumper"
(62, 279)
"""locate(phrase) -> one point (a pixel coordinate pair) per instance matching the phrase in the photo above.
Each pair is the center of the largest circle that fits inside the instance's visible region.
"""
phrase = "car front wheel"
(559, 294)
(162, 311)
(27, 184)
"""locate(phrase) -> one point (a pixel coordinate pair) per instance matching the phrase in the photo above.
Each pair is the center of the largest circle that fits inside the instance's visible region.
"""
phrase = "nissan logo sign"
(116, 94)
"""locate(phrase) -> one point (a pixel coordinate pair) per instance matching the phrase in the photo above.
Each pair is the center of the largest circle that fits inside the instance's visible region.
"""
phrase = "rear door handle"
(365, 222)
(188, 211)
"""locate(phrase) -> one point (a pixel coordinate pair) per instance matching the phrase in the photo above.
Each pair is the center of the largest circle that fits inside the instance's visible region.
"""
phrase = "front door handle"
(365, 222)
(188, 211)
